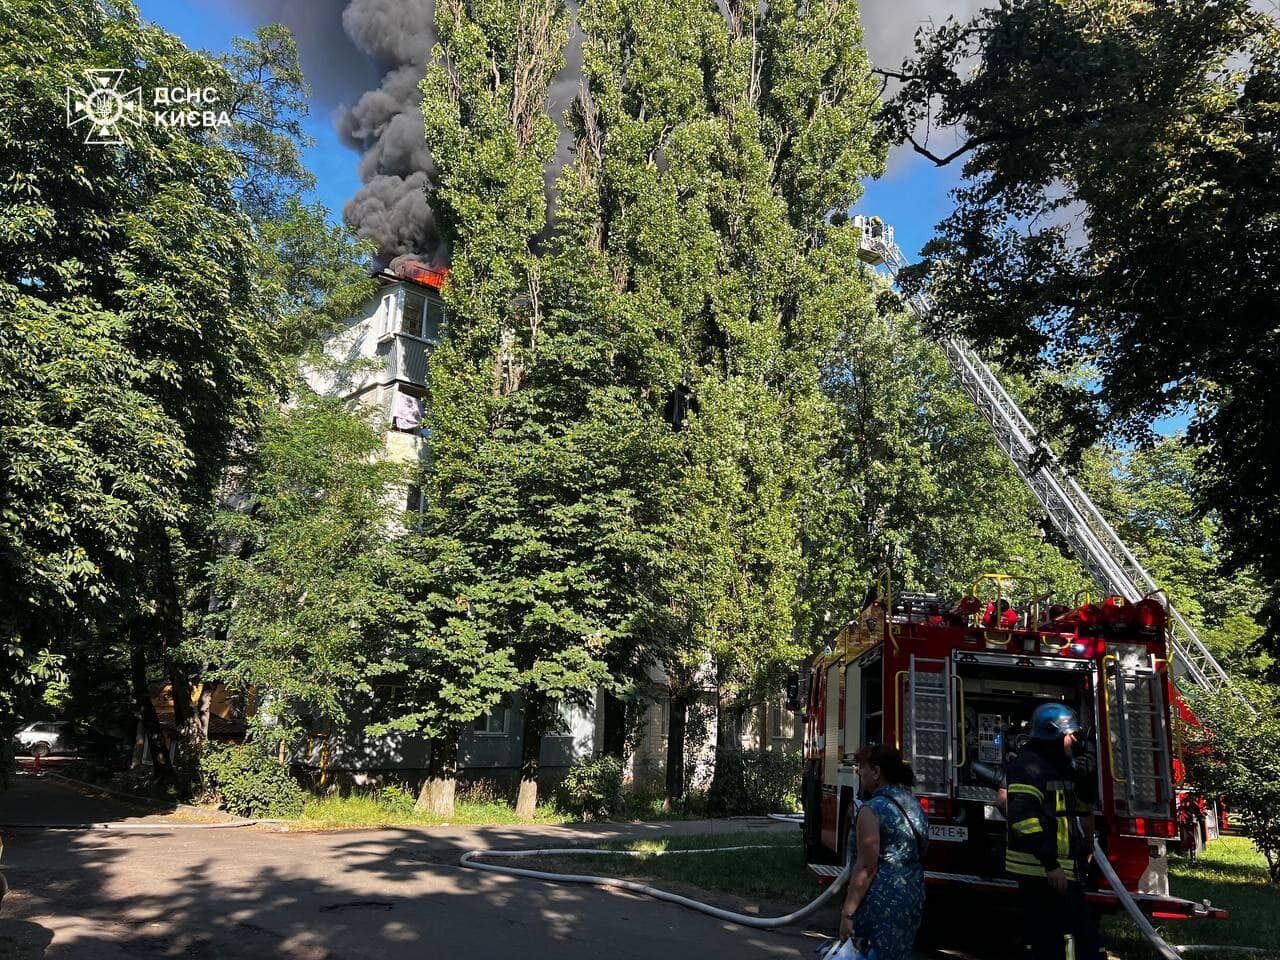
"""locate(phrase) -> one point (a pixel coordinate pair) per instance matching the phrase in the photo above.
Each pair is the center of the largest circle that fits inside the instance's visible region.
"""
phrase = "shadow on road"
(23, 940)
(379, 895)
(382, 896)
(42, 799)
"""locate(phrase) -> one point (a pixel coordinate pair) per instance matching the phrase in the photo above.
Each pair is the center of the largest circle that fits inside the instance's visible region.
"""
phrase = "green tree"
(304, 609)
(1235, 755)
(714, 144)
(1149, 495)
(506, 490)
(910, 477)
(140, 339)
(1118, 209)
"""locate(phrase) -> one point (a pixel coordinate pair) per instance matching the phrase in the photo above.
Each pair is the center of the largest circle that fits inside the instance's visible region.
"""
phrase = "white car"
(45, 737)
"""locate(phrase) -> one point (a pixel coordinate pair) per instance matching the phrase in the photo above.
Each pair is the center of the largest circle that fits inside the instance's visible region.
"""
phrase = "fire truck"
(954, 684)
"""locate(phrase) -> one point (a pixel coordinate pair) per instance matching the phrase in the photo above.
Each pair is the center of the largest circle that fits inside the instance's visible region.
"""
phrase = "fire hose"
(764, 923)
(1162, 948)
(1166, 950)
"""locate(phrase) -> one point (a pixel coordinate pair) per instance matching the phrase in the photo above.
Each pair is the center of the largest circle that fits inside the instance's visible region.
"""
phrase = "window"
(422, 316)
(495, 723)
(779, 725)
(432, 319)
(872, 703)
(661, 717)
(387, 694)
(415, 504)
(566, 714)
(411, 318)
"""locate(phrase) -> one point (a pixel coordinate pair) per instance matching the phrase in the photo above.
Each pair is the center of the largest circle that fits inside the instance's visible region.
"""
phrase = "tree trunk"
(184, 678)
(677, 715)
(535, 724)
(438, 790)
(202, 710)
(149, 722)
(727, 738)
(614, 739)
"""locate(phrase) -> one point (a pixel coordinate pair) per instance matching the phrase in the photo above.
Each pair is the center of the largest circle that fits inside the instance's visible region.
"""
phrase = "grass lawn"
(1231, 874)
(365, 810)
(775, 874)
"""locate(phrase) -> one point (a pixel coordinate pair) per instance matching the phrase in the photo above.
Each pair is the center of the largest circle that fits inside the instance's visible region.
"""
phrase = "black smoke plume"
(369, 71)
(385, 124)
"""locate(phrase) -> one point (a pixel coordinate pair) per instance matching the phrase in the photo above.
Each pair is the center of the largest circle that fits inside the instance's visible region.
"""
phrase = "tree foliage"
(710, 146)
(1119, 209)
(302, 586)
(1235, 755)
(910, 477)
(143, 299)
(1149, 495)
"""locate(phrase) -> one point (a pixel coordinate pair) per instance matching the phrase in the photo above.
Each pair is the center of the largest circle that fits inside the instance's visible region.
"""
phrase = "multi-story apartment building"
(380, 360)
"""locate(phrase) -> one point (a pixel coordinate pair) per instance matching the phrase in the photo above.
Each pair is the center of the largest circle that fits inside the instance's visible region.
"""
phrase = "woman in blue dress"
(886, 888)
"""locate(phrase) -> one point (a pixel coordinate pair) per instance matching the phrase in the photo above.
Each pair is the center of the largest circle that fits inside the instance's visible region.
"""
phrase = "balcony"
(406, 358)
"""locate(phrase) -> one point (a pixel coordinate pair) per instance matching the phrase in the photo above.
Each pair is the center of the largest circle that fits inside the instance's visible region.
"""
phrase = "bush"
(1236, 756)
(397, 800)
(750, 782)
(250, 783)
(592, 790)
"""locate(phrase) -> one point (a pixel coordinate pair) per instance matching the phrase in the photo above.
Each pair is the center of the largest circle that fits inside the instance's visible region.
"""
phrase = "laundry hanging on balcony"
(406, 411)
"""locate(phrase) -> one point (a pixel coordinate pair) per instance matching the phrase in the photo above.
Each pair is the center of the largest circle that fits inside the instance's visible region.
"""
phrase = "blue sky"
(212, 26)
(912, 195)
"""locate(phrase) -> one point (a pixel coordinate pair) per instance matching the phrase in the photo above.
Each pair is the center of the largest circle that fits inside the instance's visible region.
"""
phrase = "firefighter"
(1050, 835)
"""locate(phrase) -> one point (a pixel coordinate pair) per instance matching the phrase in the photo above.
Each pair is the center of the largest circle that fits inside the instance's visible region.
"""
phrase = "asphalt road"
(145, 887)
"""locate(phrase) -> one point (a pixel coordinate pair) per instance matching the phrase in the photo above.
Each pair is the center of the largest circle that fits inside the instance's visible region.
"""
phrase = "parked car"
(67, 738)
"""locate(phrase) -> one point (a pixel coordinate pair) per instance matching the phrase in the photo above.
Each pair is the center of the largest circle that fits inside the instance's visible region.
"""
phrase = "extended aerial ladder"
(1094, 541)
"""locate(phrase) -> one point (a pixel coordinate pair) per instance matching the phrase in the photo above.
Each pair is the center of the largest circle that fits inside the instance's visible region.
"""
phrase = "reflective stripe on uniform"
(1026, 788)
(1029, 825)
(1027, 865)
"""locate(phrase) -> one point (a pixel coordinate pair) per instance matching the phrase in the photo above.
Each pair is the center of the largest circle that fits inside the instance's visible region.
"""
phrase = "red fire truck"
(953, 685)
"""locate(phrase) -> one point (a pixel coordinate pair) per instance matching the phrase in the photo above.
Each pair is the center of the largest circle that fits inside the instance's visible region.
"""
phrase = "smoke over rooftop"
(368, 74)
(385, 124)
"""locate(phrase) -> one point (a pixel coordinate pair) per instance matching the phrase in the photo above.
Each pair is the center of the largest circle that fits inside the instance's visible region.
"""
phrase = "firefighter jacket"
(1044, 814)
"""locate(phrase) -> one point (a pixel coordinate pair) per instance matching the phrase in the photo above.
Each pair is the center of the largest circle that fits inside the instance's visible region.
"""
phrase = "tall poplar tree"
(715, 145)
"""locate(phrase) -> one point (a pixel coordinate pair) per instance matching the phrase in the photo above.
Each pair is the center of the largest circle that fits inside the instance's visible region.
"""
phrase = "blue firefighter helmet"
(1052, 721)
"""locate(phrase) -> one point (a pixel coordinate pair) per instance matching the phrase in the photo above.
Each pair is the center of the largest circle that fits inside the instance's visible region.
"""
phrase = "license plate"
(947, 833)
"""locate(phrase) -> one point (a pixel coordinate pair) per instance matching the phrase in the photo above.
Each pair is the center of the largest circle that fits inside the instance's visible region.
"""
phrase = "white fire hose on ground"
(746, 920)
(1165, 950)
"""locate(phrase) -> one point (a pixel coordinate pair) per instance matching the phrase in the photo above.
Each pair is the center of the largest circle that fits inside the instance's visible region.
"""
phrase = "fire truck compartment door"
(927, 724)
(831, 732)
(852, 708)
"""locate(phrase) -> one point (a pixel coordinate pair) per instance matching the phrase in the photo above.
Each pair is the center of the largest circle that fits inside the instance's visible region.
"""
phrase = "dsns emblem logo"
(104, 106)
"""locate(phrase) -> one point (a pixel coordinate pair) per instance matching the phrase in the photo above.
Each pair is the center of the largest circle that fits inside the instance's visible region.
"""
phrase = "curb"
(126, 827)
